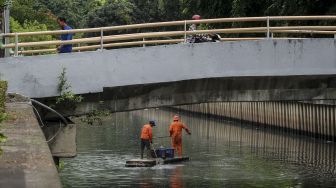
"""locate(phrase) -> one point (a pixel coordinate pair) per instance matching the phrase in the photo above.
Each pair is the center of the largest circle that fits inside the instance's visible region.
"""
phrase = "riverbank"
(26, 160)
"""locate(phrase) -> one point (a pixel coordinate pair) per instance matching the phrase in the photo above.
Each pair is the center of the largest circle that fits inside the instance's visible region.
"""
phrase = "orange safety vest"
(146, 132)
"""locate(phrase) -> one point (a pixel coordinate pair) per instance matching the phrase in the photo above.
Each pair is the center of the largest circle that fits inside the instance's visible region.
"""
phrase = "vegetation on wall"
(3, 115)
(67, 97)
(3, 89)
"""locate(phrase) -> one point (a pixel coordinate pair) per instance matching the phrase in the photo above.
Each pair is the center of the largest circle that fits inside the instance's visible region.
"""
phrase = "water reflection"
(223, 154)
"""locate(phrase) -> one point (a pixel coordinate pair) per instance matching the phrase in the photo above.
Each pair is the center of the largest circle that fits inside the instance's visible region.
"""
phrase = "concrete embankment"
(314, 120)
(26, 160)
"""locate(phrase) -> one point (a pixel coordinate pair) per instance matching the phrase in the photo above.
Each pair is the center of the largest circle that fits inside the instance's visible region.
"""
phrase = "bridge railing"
(134, 37)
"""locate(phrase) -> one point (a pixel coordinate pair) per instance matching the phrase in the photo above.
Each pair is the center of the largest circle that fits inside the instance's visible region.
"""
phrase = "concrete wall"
(89, 72)
(26, 161)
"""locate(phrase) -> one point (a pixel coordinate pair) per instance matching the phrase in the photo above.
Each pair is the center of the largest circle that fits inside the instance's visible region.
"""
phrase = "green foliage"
(3, 138)
(114, 12)
(61, 165)
(3, 89)
(32, 10)
(33, 15)
(30, 26)
(75, 11)
(63, 84)
(95, 117)
(3, 115)
(67, 97)
(93, 13)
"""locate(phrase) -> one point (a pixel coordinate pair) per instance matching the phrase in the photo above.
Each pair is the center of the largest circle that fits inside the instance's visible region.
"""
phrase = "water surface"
(223, 154)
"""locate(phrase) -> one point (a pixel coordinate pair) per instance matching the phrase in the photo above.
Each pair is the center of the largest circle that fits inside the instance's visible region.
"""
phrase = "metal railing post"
(143, 45)
(268, 27)
(16, 52)
(185, 31)
(6, 15)
(101, 39)
(334, 36)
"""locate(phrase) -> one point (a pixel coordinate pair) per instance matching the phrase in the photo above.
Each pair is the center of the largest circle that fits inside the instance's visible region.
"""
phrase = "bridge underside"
(125, 98)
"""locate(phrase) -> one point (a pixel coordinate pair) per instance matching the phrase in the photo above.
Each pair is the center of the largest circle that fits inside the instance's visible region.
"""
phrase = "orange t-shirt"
(176, 129)
(146, 132)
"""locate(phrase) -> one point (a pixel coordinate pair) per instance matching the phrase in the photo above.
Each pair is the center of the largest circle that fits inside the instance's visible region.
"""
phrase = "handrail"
(173, 23)
(105, 41)
(121, 37)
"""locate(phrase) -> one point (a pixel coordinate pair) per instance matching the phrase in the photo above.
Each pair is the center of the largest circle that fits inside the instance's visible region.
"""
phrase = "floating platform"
(175, 160)
(153, 162)
(141, 163)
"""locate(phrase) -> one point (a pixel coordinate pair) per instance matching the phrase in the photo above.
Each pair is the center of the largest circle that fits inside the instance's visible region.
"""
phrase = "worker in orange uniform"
(146, 137)
(175, 131)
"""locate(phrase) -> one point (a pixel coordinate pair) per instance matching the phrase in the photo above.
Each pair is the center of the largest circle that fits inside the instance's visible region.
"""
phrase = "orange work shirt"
(146, 132)
(175, 129)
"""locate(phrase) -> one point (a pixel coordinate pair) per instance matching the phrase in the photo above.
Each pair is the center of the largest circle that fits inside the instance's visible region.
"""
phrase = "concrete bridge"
(126, 79)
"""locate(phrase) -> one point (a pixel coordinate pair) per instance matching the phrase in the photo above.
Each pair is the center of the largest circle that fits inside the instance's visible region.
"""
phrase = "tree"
(114, 12)
(75, 11)
(32, 10)
(29, 26)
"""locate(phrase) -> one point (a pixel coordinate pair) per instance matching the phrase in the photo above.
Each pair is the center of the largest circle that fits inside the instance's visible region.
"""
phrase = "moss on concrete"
(3, 89)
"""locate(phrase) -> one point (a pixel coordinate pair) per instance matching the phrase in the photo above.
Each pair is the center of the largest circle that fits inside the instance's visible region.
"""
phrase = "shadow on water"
(224, 154)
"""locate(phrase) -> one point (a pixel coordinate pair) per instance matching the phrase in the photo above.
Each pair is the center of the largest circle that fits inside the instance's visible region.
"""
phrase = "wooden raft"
(153, 162)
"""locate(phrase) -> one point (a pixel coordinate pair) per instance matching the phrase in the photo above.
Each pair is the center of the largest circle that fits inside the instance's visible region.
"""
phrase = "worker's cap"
(196, 17)
(152, 123)
(176, 118)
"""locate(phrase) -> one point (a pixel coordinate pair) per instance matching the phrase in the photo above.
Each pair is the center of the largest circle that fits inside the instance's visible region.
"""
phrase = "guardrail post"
(101, 39)
(334, 36)
(143, 45)
(16, 52)
(268, 27)
(185, 31)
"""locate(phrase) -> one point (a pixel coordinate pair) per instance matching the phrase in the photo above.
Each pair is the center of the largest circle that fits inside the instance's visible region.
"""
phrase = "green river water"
(223, 154)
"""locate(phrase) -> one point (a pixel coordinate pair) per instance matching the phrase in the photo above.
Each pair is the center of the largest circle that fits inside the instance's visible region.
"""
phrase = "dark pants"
(144, 143)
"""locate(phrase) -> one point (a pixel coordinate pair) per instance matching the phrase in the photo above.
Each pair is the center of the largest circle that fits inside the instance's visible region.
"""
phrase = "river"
(223, 154)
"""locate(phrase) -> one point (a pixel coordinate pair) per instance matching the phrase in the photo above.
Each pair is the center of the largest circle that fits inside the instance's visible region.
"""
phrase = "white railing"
(155, 38)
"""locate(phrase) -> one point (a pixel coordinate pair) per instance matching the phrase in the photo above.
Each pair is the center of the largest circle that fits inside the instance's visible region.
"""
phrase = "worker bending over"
(146, 137)
(175, 131)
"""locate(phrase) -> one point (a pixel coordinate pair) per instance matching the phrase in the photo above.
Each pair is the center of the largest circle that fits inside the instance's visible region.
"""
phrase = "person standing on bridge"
(175, 131)
(64, 48)
(193, 27)
(147, 137)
